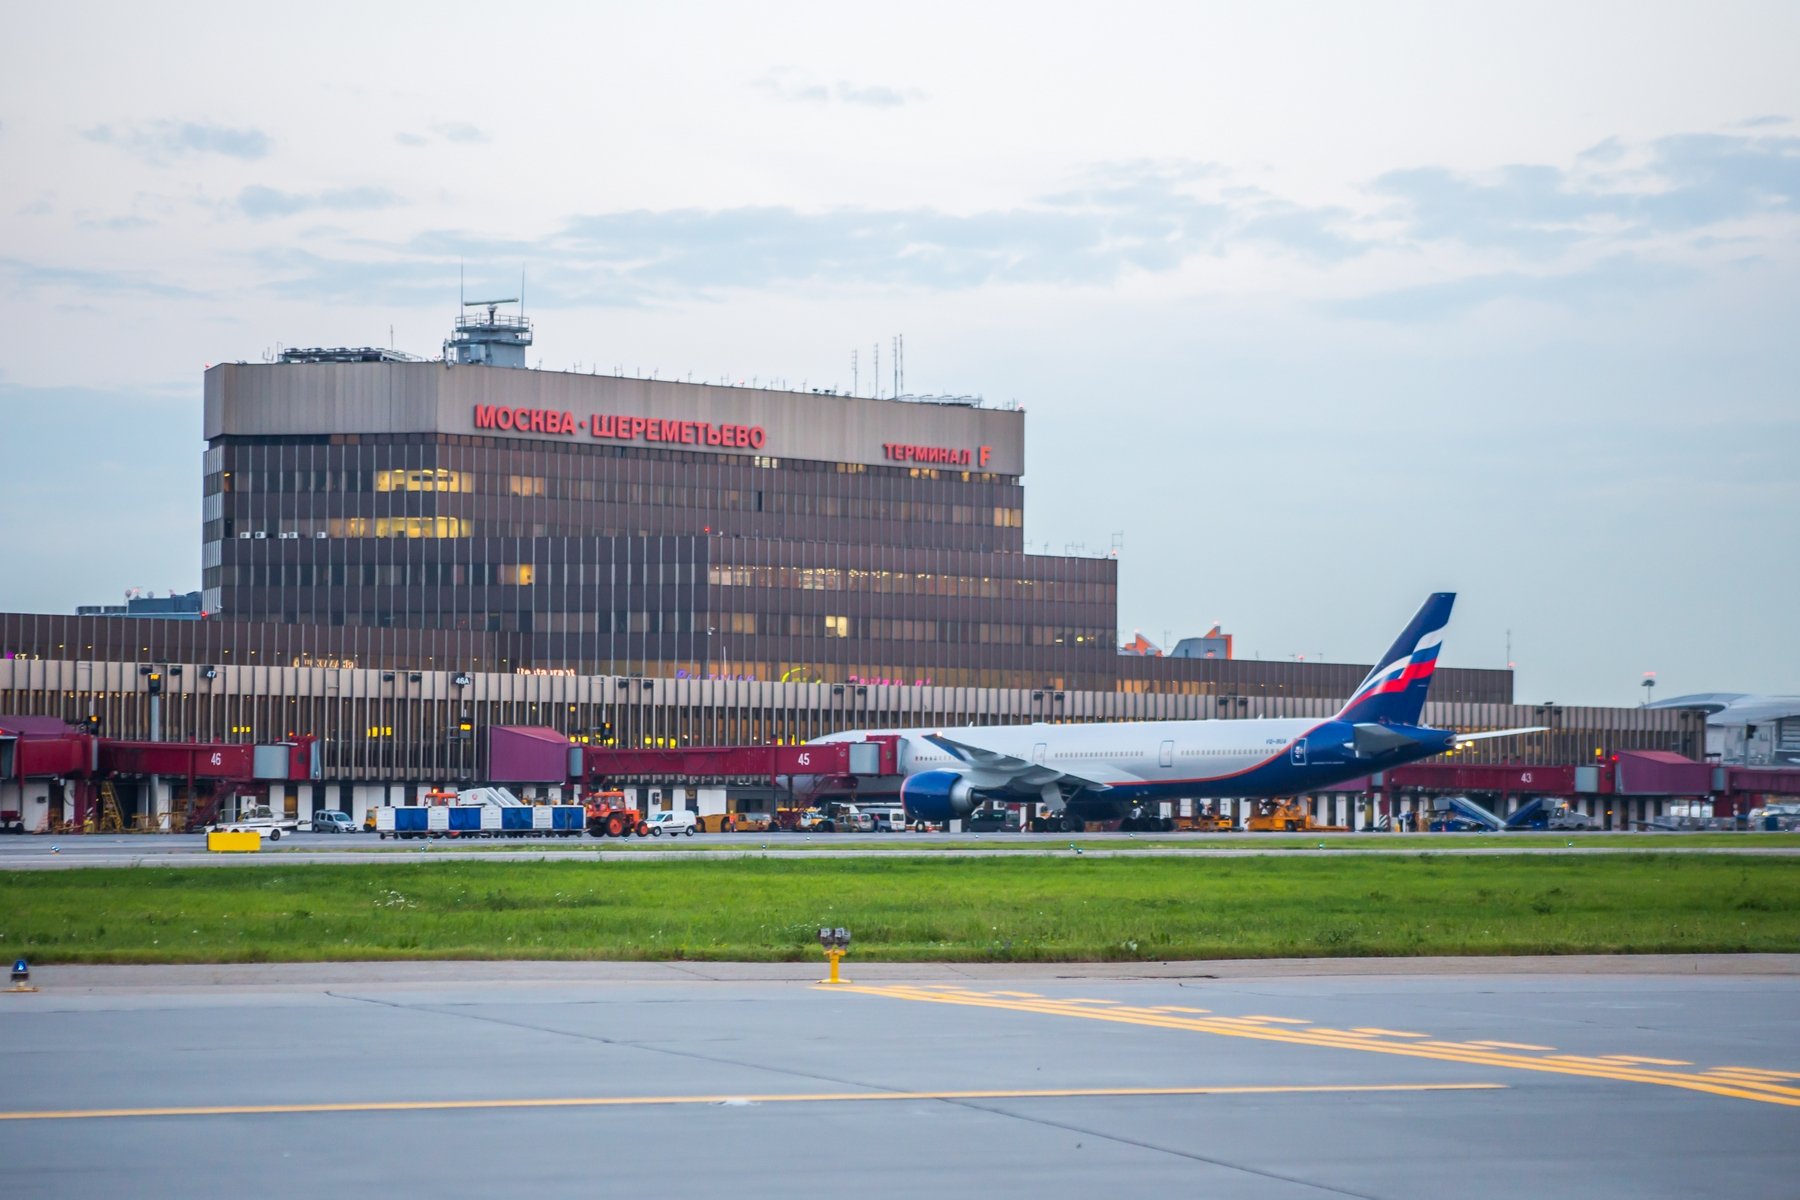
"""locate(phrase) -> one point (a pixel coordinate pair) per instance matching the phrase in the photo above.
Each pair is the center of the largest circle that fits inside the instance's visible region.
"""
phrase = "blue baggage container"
(515, 820)
(568, 818)
(465, 818)
(409, 820)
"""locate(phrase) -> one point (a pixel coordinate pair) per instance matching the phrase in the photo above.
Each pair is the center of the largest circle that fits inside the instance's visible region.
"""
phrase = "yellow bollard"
(836, 943)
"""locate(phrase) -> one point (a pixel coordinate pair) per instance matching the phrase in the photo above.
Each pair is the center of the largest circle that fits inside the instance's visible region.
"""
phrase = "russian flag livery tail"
(1394, 692)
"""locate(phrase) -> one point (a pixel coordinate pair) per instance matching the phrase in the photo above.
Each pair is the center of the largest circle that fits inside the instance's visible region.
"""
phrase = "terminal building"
(400, 553)
(593, 524)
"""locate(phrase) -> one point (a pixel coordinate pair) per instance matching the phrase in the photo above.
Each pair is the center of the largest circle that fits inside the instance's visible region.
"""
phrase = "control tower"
(493, 340)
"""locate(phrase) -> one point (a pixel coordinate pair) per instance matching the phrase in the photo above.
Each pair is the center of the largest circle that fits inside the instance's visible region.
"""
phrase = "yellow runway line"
(375, 1106)
(1736, 1086)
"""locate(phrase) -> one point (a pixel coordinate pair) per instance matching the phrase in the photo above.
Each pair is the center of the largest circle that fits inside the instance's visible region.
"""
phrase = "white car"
(672, 823)
(260, 820)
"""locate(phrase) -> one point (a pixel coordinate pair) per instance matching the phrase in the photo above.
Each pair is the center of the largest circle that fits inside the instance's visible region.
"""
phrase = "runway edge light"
(21, 976)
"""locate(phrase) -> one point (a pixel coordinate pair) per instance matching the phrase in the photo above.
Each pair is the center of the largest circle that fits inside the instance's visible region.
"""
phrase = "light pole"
(1649, 686)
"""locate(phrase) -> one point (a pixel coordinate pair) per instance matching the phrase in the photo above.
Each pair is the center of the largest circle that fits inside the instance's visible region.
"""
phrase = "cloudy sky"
(1318, 306)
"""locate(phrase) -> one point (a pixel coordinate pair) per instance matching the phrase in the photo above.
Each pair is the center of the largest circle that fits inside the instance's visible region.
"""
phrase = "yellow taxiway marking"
(1531, 1046)
(1277, 1020)
(1170, 1008)
(1021, 995)
(1650, 1062)
(370, 1106)
(1738, 1086)
(1372, 1031)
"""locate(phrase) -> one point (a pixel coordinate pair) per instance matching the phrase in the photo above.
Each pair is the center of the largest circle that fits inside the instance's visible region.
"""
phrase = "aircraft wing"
(1465, 738)
(992, 769)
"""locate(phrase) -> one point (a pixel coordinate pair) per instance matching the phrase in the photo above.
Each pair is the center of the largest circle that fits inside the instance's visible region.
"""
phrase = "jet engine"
(937, 796)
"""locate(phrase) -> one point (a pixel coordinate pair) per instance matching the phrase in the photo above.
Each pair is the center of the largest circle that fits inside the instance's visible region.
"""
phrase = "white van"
(673, 823)
(885, 818)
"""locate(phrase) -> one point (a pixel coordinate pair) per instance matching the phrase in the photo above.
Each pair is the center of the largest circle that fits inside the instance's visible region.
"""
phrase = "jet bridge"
(85, 773)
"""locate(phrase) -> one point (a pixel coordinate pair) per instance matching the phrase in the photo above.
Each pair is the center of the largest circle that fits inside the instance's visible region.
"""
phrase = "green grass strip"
(1407, 842)
(912, 908)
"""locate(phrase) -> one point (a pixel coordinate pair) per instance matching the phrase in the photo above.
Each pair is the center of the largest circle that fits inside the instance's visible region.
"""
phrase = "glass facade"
(635, 560)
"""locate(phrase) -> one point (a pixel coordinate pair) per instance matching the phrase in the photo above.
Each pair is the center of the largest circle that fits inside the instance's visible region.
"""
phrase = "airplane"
(1101, 772)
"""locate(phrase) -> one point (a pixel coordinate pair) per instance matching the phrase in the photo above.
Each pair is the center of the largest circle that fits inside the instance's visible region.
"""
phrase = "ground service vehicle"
(480, 820)
(259, 820)
(885, 820)
(333, 822)
(672, 823)
(1285, 816)
(1147, 818)
(1546, 812)
(608, 815)
(1208, 819)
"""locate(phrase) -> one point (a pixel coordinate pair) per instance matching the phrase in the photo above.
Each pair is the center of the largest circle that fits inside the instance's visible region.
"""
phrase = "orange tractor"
(608, 815)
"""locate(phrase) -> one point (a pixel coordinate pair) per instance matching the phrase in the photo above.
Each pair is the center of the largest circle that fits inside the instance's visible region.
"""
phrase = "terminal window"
(428, 480)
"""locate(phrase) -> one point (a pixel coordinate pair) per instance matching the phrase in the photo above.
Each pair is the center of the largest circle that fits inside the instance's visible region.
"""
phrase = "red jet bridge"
(212, 772)
(1631, 775)
(532, 754)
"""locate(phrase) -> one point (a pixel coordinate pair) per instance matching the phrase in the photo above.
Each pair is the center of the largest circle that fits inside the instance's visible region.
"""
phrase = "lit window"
(408, 527)
(837, 627)
(521, 574)
(431, 479)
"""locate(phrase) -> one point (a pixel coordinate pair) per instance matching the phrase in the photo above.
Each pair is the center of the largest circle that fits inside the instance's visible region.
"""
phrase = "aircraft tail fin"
(1394, 692)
